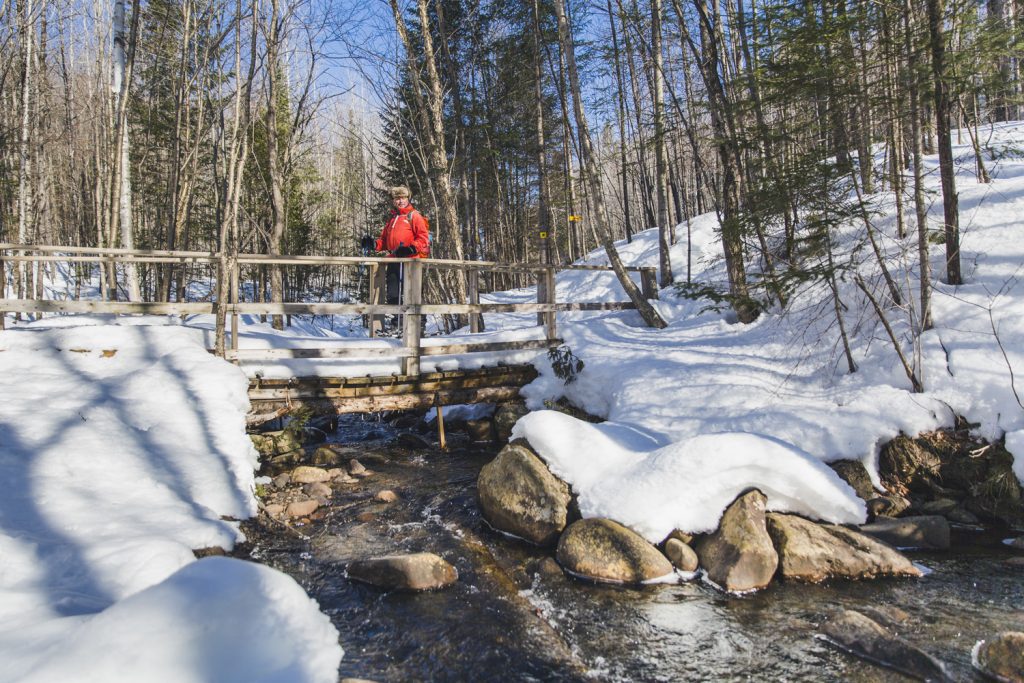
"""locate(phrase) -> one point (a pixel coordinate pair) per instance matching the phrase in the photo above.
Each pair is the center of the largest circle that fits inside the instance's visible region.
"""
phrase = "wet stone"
(415, 572)
(922, 531)
(604, 550)
(814, 552)
(326, 456)
(301, 508)
(505, 417)
(386, 496)
(854, 474)
(681, 555)
(480, 430)
(940, 506)
(860, 636)
(961, 516)
(356, 468)
(317, 489)
(308, 475)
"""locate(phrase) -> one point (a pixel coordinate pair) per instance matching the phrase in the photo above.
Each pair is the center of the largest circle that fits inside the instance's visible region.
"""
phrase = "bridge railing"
(411, 309)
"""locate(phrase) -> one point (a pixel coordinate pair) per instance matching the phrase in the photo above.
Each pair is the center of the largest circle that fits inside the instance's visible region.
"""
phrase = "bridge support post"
(473, 291)
(546, 295)
(649, 283)
(412, 295)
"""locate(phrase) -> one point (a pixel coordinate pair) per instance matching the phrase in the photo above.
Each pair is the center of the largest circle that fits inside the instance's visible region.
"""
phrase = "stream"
(513, 616)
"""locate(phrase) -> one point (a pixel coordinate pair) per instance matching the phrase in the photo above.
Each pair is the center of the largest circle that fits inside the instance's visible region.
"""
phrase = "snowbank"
(122, 448)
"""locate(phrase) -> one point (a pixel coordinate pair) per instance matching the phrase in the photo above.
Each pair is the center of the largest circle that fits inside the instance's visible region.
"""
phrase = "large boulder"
(1002, 657)
(860, 636)
(415, 572)
(815, 552)
(739, 556)
(520, 496)
(930, 532)
(505, 418)
(603, 550)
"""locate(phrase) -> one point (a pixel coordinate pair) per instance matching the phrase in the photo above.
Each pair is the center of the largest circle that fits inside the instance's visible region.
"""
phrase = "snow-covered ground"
(123, 445)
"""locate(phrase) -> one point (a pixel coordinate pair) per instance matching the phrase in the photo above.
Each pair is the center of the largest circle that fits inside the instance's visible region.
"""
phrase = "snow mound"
(217, 619)
(685, 485)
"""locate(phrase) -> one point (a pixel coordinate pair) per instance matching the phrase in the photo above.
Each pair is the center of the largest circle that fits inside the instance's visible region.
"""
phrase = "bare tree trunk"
(431, 113)
(593, 177)
(917, 153)
(277, 207)
(623, 161)
(660, 154)
(238, 153)
(543, 210)
(121, 186)
(947, 171)
(28, 43)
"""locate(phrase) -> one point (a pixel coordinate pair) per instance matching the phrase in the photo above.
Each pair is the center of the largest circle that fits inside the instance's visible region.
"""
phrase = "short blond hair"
(400, 191)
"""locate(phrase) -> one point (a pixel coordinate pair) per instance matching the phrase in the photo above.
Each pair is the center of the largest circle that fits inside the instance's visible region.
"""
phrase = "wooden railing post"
(649, 282)
(412, 296)
(377, 286)
(542, 294)
(219, 307)
(473, 291)
(551, 317)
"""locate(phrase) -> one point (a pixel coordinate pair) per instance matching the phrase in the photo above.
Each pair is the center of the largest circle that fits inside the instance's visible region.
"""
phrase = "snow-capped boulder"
(1002, 657)
(815, 552)
(520, 496)
(603, 550)
(920, 531)
(739, 556)
(860, 636)
(415, 572)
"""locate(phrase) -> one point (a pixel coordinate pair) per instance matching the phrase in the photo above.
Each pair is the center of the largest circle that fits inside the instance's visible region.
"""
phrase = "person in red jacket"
(405, 235)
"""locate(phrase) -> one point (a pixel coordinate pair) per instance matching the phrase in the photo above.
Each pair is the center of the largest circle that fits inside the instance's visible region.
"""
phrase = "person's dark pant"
(393, 289)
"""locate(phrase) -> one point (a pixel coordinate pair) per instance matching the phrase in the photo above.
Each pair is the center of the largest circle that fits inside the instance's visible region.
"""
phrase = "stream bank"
(513, 615)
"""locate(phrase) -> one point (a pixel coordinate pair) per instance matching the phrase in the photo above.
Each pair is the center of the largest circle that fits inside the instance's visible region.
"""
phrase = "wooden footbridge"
(405, 386)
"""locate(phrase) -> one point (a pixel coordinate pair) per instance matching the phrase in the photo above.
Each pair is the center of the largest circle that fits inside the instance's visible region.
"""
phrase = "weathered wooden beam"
(56, 248)
(305, 392)
(113, 307)
(527, 371)
(388, 352)
(375, 404)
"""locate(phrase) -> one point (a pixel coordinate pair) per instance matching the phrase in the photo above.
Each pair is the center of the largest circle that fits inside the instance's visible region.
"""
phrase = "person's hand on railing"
(404, 251)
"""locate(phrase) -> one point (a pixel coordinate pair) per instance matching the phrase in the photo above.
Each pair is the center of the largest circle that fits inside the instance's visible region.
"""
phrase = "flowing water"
(513, 617)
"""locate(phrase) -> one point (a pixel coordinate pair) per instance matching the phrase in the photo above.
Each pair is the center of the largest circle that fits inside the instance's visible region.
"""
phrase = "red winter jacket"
(406, 227)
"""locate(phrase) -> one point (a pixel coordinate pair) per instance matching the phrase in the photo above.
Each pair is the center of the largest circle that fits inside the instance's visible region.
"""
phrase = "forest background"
(528, 130)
